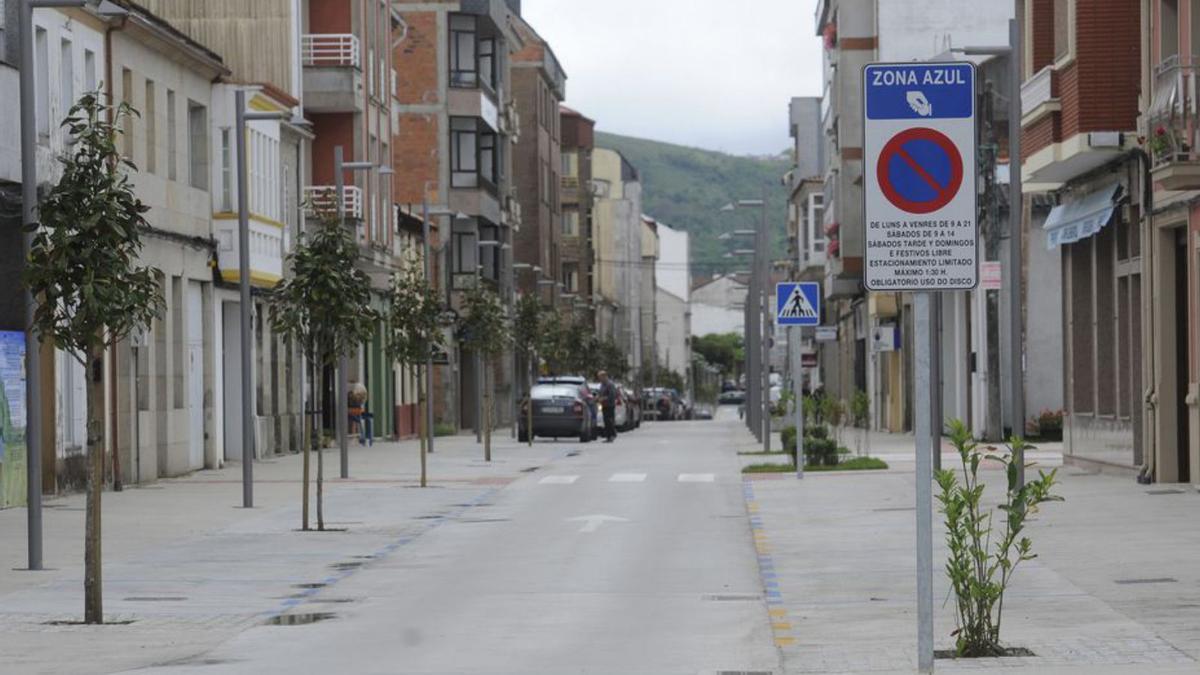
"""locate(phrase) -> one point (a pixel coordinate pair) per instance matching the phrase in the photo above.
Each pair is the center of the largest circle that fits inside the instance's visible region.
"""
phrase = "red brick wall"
(332, 130)
(1041, 41)
(1108, 44)
(1069, 96)
(415, 158)
(530, 244)
(1039, 135)
(329, 16)
(416, 61)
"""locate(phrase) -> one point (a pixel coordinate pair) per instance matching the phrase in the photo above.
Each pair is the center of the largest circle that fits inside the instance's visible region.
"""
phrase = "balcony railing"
(320, 198)
(330, 50)
(570, 182)
(1173, 119)
(1037, 90)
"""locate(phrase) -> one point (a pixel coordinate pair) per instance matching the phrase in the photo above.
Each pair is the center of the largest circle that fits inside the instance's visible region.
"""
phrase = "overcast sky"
(715, 75)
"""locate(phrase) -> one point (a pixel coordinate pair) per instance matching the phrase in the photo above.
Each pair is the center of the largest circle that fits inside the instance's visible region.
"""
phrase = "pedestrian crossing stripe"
(798, 304)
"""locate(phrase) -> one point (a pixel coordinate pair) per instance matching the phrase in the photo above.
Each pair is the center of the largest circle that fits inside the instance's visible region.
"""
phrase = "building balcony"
(1172, 120)
(1039, 96)
(320, 199)
(333, 78)
(266, 250)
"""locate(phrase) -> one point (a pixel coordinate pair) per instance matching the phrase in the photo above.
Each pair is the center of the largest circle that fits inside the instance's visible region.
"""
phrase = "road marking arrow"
(593, 523)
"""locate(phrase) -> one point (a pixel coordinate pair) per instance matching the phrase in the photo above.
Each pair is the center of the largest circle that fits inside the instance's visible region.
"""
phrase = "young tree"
(83, 273)
(486, 332)
(325, 307)
(528, 329)
(413, 331)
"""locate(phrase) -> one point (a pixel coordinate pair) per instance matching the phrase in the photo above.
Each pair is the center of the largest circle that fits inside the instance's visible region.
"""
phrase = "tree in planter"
(860, 410)
(528, 326)
(486, 332)
(612, 359)
(89, 291)
(413, 330)
(979, 574)
(552, 344)
(325, 307)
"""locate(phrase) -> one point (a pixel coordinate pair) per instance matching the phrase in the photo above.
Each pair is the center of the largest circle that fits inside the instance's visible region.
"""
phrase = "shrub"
(816, 431)
(860, 408)
(820, 451)
(444, 429)
(788, 436)
(979, 574)
(1048, 425)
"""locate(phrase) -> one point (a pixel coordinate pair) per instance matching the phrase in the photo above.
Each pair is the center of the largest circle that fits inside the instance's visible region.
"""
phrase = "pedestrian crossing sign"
(798, 303)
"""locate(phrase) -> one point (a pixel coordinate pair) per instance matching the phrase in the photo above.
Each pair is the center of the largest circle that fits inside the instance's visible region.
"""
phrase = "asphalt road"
(631, 557)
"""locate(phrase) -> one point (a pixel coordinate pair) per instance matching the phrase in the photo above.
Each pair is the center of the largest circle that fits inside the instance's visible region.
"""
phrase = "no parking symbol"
(920, 170)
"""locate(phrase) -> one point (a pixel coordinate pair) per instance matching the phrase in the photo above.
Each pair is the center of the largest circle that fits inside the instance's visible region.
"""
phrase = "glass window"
(66, 77)
(487, 157)
(198, 145)
(1168, 28)
(464, 163)
(127, 127)
(487, 61)
(41, 63)
(89, 70)
(570, 164)
(150, 115)
(172, 141)
(1062, 28)
(570, 223)
(463, 63)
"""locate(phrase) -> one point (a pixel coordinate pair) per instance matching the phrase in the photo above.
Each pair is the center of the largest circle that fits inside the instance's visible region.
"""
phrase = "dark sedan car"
(559, 411)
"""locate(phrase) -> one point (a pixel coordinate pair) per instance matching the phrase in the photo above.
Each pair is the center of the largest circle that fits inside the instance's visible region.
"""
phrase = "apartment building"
(456, 123)
(625, 248)
(261, 43)
(577, 250)
(855, 33)
(539, 87)
(672, 301)
(805, 224)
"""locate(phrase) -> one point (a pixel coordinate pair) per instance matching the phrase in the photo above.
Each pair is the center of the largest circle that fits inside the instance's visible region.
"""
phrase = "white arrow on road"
(593, 523)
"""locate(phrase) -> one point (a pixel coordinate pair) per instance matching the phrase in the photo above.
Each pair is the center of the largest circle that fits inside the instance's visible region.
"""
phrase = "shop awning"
(1080, 219)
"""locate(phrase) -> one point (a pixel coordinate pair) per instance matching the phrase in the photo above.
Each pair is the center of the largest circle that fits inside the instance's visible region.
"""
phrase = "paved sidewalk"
(191, 569)
(1116, 587)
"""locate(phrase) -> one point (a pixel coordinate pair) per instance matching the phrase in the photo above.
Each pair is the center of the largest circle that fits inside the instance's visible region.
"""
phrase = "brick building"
(1079, 104)
(577, 251)
(455, 122)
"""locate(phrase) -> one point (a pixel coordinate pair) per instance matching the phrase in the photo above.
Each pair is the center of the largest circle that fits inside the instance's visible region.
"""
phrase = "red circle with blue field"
(920, 170)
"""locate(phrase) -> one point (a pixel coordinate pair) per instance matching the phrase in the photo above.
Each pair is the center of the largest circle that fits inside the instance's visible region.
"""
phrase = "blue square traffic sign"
(798, 303)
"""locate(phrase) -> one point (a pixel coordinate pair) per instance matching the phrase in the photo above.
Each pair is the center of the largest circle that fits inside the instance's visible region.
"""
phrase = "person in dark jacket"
(608, 399)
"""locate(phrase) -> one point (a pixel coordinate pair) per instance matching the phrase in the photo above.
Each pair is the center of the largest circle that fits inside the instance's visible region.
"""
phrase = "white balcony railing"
(1037, 90)
(330, 50)
(266, 251)
(321, 198)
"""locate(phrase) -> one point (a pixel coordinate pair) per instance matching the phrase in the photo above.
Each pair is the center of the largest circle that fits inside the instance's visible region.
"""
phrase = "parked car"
(633, 405)
(732, 397)
(581, 383)
(559, 411)
(662, 404)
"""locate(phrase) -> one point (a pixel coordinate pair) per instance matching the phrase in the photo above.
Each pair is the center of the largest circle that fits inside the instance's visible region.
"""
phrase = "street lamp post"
(426, 214)
(243, 116)
(758, 333)
(29, 197)
(339, 167)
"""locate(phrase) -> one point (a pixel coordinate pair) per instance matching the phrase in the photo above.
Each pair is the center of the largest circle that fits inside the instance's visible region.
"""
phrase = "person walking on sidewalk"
(608, 399)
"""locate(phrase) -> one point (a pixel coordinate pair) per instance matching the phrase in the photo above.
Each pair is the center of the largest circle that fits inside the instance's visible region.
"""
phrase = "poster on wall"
(12, 419)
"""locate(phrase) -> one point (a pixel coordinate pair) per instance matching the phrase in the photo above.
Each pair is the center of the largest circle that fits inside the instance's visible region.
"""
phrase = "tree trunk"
(312, 434)
(422, 404)
(487, 413)
(93, 592)
(320, 487)
(529, 397)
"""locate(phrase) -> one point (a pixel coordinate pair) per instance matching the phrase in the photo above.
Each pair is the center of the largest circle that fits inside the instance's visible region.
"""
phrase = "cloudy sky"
(685, 71)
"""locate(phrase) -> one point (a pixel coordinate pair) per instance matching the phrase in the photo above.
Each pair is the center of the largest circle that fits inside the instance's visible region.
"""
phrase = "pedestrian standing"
(608, 399)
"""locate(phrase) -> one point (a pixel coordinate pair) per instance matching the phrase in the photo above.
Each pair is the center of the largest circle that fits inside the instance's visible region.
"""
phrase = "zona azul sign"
(919, 177)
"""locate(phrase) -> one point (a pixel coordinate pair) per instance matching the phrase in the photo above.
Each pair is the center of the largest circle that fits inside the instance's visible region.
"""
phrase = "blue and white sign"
(798, 304)
(919, 176)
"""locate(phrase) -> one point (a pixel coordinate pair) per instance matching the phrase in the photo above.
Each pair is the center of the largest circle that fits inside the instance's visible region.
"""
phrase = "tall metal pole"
(428, 351)
(1015, 233)
(935, 378)
(339, 390)
(796, 340)
(248, 407)
(33, 373)
(767, 322)
(924, 478)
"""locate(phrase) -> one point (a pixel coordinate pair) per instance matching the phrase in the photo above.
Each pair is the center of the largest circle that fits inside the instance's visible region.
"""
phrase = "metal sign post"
(921, 236)
(798, 304)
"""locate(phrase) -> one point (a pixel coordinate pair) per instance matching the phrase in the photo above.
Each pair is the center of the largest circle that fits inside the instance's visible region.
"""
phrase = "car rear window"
(555, 391)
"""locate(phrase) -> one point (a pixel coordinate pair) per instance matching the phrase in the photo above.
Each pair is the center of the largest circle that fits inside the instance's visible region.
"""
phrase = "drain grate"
(75, 622)
(530, 469)
(1154, 580)
(485, 520)
(315, 584)
(344, 566)
(1169, 491)
(573, 453)
(731, 597)
(745, 672)
(299, 619)
(895, 508)
(156, 598)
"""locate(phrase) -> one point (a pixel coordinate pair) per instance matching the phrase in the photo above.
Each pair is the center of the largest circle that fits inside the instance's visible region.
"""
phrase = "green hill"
(686, 188)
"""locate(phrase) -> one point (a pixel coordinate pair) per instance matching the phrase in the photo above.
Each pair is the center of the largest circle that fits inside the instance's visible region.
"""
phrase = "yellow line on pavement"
(784, 641)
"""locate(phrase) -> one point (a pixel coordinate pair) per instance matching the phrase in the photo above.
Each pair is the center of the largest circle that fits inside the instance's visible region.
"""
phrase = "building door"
(195, 375)
(231, 369)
